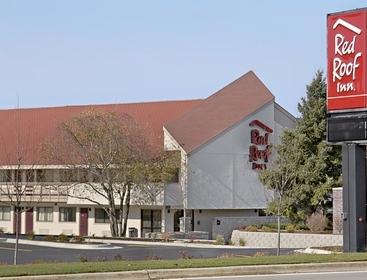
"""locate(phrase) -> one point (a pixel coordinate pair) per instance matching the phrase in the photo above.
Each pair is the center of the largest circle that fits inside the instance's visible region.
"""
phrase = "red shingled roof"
(219, 112)
(36, 126)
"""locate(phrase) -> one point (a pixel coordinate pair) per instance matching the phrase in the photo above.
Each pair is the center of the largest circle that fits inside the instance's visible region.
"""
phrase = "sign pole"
(354, 198)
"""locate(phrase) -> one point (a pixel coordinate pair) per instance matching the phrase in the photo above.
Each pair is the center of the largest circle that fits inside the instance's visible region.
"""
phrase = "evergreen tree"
(317, 164)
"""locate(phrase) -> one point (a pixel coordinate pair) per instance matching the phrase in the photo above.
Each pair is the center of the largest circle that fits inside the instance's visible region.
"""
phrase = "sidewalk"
(206, 272)
(103, 246)
(113, 244)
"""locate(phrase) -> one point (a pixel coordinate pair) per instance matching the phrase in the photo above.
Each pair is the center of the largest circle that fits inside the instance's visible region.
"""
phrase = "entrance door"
(19, 222)
(176, 219)
(29, 221)
(83, 222)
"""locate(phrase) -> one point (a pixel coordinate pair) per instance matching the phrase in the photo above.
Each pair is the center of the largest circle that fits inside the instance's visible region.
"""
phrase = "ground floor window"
(67, 214)
(5, 213)
(101, 216)
(45, 214)
(151, 221)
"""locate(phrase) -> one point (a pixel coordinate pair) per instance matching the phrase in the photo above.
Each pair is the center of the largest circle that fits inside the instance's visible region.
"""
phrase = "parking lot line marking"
(12, 249)
(137, 245)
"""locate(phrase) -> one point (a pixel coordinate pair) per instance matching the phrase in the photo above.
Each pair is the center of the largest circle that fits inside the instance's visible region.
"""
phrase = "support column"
(354, 198)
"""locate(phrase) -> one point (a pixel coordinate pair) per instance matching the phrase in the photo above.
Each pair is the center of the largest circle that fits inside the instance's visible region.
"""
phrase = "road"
(33, 254)
(353, 275)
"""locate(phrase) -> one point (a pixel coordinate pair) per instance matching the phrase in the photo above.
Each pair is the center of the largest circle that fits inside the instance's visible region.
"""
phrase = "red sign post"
(347, 65)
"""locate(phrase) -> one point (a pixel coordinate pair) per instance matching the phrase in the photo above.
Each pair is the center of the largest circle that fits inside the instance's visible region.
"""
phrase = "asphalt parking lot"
(34, 254)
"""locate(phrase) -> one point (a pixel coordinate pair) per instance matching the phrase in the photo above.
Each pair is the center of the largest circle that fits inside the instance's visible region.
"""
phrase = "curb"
(206, 272)
(62, 245)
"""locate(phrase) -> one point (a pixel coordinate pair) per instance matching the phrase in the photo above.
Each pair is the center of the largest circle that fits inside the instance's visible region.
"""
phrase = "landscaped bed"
(110, 266)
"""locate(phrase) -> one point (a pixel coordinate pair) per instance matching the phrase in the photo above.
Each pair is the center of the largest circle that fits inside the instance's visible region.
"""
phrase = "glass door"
(151, 221)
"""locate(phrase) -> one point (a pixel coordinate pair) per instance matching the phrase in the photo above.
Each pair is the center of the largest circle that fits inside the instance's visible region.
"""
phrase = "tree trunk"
(278, 218)
(112, 214)
(121, 213)
(278, 245)
(16, 235)
(126, 216)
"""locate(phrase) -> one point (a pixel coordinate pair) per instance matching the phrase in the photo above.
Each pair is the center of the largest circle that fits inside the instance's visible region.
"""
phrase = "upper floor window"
(6, 175)
(44, 175)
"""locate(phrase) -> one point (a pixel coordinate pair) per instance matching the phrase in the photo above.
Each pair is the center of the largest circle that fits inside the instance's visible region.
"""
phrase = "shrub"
(166, 237)
(291, 228)
(242, 242)
(226, 256)
(316, 222)
(230, 242)
(78, 239)
(252, 228)
(83, 258)
(31, 236)
(259, 254)
(49, 238)
(118, 257)
(271, 225)
(185, 255)
(267, 229)
(152, 258)
(63, 238)
(219, 240)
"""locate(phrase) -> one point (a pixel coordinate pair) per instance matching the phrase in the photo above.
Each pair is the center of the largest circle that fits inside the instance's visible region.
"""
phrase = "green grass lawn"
(109, 266)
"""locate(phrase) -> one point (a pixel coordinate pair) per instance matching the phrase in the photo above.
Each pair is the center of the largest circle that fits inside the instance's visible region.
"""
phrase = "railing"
(33, 193)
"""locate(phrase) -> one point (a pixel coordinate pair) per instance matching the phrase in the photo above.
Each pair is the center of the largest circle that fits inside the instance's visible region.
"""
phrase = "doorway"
(151, 221)
(83, 222)
(29, 221)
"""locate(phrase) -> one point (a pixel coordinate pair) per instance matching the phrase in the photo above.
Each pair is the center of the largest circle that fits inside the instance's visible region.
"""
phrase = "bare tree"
(17, 176)
(114, 155)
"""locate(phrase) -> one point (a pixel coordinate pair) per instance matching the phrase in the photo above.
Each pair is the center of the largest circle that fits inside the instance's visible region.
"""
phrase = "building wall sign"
(346, 51)
(260, 148)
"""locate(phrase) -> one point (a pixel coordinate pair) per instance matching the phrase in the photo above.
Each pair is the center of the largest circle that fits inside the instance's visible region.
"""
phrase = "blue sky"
(87, 52)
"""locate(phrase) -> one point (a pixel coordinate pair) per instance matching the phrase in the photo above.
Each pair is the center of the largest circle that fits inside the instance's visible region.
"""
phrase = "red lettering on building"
(260, 150)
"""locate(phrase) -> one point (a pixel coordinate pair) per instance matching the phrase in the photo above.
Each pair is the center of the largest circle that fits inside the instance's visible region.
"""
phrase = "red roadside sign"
(346, 56)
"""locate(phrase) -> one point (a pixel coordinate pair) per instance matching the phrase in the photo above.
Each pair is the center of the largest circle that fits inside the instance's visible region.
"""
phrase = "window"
(45, 214)
(151, 221)
(67, 214)
(101, 216)
(6, 175)
(44, 175)
(4, 213)
(68, 175)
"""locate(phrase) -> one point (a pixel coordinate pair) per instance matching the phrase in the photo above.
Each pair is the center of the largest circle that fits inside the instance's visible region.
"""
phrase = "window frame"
(2, 213)
(106, 219)
(44, 208)
(62, 213)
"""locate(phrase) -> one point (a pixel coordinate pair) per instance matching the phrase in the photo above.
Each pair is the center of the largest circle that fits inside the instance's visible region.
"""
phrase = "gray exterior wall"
(220, 174)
